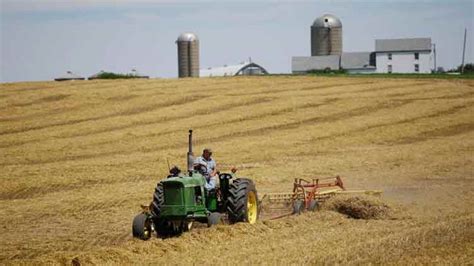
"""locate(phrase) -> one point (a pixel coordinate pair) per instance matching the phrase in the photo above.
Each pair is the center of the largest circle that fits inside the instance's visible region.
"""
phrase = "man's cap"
(207, 149)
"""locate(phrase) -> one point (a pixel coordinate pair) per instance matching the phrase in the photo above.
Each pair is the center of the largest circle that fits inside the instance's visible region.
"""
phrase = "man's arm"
(214, 169)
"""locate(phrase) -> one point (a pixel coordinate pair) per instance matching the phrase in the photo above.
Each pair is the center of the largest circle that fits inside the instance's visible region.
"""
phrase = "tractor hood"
(186, 181)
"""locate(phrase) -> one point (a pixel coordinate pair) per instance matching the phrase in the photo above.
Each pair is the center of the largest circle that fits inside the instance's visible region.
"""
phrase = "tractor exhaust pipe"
(190, 152)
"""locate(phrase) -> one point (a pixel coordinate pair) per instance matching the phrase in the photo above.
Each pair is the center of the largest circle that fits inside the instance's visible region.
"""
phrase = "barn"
(242, 69)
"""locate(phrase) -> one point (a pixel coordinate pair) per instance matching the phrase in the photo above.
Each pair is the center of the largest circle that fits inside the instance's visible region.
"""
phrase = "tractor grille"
(173, 193)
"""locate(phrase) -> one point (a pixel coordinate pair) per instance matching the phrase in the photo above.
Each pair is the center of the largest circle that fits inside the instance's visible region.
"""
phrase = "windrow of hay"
(359, 207)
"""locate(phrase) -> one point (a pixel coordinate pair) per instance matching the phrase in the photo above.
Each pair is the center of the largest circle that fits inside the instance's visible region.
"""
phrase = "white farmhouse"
(403, 55)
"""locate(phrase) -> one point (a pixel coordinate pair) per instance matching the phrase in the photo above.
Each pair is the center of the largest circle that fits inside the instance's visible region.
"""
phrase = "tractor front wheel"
(242, 204)
(141, 227)
(187, 225)
(214, 218)
(163, 228)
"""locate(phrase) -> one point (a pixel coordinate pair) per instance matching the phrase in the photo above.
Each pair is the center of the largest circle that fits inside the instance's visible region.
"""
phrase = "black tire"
(163, 228)
(313, 205)
(158, 200)
(214, 218)
(141, 227)
(298, 207)
(239, 192)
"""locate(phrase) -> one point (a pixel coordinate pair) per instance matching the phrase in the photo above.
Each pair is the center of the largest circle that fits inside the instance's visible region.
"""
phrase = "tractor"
(180, 200)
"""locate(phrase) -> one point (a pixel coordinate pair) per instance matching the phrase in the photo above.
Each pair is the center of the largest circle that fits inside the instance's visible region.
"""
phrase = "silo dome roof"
(327, 21)
(187, 37)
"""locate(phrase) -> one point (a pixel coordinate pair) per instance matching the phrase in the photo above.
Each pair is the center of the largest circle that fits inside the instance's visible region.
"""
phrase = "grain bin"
(326, 36)
(188, 55)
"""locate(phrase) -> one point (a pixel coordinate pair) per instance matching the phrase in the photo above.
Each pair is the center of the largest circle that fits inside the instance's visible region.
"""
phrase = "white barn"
(244, 69)
(403, 55)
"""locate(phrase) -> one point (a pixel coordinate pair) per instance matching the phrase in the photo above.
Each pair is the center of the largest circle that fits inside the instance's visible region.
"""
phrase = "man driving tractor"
(207, 166)
(201, 194)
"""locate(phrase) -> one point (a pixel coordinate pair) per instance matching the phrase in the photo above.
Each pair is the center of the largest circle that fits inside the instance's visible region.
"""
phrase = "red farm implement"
(307, 195)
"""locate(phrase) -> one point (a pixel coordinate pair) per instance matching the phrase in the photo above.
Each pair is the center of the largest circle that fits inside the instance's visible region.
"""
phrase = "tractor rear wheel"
(141, 227)
(158, 200)
(242, 203)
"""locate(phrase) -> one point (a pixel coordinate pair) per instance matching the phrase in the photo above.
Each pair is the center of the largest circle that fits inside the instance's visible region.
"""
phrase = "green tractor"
(180, 200)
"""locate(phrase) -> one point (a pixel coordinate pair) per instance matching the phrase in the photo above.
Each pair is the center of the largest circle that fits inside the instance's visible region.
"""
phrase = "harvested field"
(78, 159)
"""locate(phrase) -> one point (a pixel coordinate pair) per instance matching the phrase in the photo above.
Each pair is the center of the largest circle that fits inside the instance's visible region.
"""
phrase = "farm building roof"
(357, 60)
(352, 60)
(403, 45)
(244, 68)
(307, 63)
(69, 76)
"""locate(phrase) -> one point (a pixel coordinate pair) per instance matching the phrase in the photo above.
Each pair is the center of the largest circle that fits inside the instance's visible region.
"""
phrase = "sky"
(42, 39)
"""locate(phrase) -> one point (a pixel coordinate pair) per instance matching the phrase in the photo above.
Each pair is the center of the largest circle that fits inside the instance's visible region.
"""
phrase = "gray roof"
(327, 21)
(187, 37)
(306, 63)
(356, 60)
(400, 45)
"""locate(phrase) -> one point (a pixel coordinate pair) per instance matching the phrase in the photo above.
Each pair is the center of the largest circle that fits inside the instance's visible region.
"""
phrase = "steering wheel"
(202, 169)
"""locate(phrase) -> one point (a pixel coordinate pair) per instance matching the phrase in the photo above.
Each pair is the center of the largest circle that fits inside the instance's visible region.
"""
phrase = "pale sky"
(42, 39)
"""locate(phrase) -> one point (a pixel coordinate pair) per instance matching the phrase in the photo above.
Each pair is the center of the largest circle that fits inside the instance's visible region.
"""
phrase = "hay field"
(78, 158)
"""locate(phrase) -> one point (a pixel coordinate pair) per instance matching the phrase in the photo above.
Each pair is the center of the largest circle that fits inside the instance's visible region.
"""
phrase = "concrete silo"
(188, 55)
(326, 36)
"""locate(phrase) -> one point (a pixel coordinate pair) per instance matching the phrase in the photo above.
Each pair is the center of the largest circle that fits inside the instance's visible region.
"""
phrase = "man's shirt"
(211, 165)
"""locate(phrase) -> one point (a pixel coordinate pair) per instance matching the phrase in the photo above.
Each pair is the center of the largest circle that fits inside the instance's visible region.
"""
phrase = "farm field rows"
(78, 159)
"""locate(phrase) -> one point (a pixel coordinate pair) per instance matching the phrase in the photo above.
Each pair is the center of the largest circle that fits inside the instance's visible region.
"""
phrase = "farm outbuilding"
(358, 62)
(303, 64)
(69, 76)
(244, 69)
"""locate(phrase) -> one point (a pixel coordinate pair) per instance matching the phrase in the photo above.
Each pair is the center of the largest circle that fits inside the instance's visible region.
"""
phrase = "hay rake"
(307, 195)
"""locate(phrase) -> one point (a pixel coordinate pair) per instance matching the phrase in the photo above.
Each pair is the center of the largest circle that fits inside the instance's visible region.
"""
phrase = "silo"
(188, 55)
(326, 36)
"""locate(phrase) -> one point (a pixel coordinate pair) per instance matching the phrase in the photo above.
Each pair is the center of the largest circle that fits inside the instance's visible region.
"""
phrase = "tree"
(468, 68)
